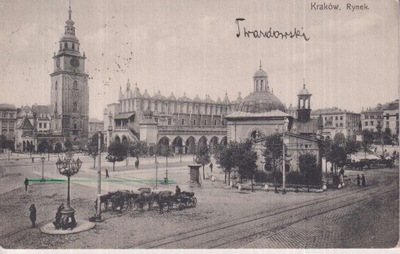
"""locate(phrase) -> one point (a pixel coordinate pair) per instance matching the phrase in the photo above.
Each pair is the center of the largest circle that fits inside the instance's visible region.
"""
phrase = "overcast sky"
(350, 60)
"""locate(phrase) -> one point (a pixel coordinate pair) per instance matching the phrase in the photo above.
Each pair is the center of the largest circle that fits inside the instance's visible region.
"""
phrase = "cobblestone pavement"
(327, 223)
(223, 218)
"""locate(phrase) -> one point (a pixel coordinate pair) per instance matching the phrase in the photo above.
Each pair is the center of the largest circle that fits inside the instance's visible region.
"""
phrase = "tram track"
(185, 239)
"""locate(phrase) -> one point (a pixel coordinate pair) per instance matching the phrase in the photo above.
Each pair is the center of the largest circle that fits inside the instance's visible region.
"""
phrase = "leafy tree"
(116, 152)
(339, 139)
(224, 156)
(387, 136)
(202, 156)
(368, 140)
(245, 159)
(58, 148)
(309, 169)
(338, 155)
(43, 146)
(68, 145)
(351, 145)
(273, 154)
(93, 146)
(137, 149)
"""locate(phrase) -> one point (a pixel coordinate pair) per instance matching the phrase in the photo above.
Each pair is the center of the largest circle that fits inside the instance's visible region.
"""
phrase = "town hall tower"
(69, 87)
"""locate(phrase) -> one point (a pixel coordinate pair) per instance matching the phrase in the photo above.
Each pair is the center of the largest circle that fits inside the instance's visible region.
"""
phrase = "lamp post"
(285, 141)
(43, 158)
(68, 167)
(156, 162)
(98, 209)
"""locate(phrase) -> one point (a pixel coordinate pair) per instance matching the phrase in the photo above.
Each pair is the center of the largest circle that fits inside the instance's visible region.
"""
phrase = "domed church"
(262, 114)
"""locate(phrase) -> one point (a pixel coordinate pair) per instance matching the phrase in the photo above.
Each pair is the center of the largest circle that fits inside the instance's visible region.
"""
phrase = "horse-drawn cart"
(186, 199)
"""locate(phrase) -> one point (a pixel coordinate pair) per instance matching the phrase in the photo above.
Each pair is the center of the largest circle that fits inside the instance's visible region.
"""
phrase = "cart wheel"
(194, 201)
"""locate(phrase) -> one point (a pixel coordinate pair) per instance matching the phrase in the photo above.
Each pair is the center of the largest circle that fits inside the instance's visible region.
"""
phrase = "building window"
(336, 118)
(194, 122)
(366, 123)
(169, 121)
(75, 86)
(75, 108)
(11, 115)
(183, 121)
(372, 123)
(341, 117)
(66, 45)
(40, 125)
(366, 117)
(45, 125)
(341, 124)
(205, 122)
(73, 45)
(156, 119)
(215, 122)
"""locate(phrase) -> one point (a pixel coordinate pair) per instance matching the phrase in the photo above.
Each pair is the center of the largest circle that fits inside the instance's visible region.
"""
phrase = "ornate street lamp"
(43, 158)
(68, 167)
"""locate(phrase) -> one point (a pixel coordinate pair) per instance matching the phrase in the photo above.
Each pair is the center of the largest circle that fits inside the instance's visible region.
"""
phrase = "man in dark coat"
(32, 215)
(137, 164)
(107, 175)
(358, 180)
(211, 167)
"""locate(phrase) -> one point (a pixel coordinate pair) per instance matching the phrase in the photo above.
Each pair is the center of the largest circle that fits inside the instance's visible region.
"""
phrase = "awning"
(121, 116)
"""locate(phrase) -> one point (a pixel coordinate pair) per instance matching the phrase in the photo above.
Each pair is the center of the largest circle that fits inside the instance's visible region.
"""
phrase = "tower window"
(56, 85)
(169, 121)
(194, 122)
(75, 108)
(66, 45)
(73, 45)
(75, 86)
(183, 121)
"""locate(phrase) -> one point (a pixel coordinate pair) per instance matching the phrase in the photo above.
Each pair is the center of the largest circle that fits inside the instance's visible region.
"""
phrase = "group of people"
(361, 179)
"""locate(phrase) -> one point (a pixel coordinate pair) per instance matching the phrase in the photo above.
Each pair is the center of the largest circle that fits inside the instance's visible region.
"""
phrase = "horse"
(165, 198)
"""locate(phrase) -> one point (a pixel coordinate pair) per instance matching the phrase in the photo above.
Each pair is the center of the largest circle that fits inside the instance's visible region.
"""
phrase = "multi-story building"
(181, 122)
(371, 118)
(8, 121)
(391, 117)
(95, 125)
(336, 120)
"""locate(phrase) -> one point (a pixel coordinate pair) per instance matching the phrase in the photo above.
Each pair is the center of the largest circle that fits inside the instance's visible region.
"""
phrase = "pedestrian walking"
(211, 167)
(26, 182)
(137, 164)
(32, 215)
(107, 175)
(363, 180)
(358, 180)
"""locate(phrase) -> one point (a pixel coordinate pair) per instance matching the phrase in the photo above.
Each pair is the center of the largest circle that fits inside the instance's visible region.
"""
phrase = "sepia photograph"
(260, 125)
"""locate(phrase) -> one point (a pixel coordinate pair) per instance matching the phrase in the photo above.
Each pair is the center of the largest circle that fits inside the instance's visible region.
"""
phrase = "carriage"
(186, 199)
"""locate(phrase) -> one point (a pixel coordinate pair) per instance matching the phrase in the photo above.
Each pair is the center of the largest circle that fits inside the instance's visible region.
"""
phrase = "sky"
(350, 60)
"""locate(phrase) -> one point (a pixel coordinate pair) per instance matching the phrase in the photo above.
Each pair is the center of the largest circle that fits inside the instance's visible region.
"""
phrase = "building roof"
(41, 109)
(260, 73)
(5, 106)
(241, 114)
(261, 101)
(304, 91)
(123, 116)
(309, 127)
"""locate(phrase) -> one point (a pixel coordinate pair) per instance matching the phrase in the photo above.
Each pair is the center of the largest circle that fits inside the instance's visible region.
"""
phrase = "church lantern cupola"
(303, 106)
(260, 80)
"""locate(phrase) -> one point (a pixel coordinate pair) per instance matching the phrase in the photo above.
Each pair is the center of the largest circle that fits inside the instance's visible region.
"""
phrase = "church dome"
(260, 102)
(304, 91)
(260, 73)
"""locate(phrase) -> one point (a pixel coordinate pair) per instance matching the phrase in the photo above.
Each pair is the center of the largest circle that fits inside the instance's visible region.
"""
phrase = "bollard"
(266, 187)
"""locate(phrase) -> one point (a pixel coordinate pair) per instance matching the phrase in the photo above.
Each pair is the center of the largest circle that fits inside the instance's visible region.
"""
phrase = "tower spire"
(69, 11)
(260, 64)
(304, 83)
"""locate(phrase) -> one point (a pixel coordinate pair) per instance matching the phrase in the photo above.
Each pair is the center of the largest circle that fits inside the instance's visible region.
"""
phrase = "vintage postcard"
(199, 125)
